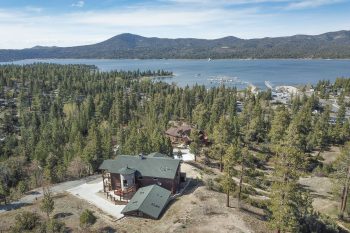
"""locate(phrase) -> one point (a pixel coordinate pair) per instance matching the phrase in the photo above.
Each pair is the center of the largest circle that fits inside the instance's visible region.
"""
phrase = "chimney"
(141, 156)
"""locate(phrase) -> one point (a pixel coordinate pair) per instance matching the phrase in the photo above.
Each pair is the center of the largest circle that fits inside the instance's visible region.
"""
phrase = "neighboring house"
(181, 135)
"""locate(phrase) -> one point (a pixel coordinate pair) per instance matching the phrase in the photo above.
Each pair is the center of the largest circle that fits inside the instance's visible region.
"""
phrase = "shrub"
(210, 184)
(317, 223)
(87, 218)
(55, 226)
(26, 221)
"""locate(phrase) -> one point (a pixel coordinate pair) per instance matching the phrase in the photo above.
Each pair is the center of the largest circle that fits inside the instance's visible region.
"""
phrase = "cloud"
(304, 4)
(78, 4)
(33, 9)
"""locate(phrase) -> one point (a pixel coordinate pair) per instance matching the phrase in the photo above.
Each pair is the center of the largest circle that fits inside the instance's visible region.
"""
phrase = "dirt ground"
(197, 210)
(67, 209)
(200, 210)
(331, 155)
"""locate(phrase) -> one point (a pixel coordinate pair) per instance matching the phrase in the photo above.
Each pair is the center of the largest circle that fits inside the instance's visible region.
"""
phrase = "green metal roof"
(146, 166)
(126, 171)
(157, 155)
(150, 200)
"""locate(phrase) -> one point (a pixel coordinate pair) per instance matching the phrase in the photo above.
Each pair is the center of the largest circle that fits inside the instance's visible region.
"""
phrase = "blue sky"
(27, 23)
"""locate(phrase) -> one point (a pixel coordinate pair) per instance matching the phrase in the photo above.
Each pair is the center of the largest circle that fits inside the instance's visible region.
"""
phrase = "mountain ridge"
(131, 46)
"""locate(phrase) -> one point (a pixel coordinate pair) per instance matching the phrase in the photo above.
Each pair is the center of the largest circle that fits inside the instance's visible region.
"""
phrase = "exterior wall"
(170, 184)
(165, 183)
(115, 181)
(138, 214)
(130, 181)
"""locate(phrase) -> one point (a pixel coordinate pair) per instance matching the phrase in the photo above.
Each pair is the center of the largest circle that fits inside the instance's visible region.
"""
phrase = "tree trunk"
(228, 198)
(220, 162)
(240, 186)
(345, 194)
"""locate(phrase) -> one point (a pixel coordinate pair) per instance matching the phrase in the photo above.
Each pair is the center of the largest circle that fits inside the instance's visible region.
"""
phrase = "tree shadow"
(313, 193)
(62, 215)
(257, 215)
(192, 186)
(33, 193)
(13, 206)
(107, 229)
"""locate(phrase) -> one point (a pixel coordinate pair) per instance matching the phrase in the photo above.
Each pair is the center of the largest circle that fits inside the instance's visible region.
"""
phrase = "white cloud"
(78, 4)
(33, 9)
(303, 4)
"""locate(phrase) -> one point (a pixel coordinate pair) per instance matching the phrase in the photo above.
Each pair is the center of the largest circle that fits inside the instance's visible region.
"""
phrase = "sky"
(28, 23)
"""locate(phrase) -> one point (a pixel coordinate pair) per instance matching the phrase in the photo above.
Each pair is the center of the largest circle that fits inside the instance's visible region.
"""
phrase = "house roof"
(157, 155)
(159, 167)
(179, 131)
(126, 171)
(173, 132)
(150, 200)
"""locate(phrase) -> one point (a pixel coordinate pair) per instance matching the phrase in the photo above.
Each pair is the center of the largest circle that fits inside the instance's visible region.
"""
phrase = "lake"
(238, 73)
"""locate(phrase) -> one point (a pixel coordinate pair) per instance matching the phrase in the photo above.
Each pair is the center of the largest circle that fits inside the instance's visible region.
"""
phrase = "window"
(155, 178)
(125, 182)
(139, 178)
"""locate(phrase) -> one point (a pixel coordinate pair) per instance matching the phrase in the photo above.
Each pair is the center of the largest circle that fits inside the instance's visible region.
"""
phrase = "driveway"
(89, 192)
(34, 194)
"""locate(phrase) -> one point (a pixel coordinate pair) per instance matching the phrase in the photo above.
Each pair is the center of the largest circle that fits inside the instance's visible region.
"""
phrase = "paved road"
(32, 195)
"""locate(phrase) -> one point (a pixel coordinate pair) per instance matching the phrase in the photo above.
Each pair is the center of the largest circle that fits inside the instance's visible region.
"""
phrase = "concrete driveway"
(89, 193)
(34, 194)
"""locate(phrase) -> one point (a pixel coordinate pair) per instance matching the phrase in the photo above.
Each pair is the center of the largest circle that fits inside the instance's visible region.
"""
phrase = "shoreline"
(175, 59)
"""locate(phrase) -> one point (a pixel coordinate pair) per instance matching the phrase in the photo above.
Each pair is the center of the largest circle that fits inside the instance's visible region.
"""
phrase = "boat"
(268, 85)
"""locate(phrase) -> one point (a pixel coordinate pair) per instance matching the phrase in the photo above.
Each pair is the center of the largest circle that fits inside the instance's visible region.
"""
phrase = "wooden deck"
(119, 196)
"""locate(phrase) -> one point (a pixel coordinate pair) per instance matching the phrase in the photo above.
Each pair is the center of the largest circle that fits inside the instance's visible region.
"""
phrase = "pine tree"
(342, 166)
(229, 163)
(47, 204)
(289, 203)
(279, 125)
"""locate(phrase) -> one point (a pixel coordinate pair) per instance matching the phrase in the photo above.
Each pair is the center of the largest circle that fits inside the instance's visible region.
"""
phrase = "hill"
(327, 45)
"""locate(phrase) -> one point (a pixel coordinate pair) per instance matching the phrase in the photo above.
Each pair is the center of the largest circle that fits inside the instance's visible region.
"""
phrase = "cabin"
(126, 174)
(144, 183)
(181, 135)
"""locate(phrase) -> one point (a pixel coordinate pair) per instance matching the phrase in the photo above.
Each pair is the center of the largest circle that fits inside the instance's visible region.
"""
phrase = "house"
(144, 182)
(126, 174)
(181, 134)
(149, 201)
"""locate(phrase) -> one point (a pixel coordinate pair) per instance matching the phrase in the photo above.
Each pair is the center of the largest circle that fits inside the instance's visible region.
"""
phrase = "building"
(144, 182)
(149, 201)
(181, 134)
(126, 174)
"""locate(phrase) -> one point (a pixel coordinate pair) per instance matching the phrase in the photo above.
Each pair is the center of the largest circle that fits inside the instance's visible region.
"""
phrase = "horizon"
(127, 33)
(70, 23)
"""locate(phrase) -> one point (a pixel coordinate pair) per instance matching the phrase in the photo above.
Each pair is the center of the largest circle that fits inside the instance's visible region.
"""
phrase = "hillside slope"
(328, 45)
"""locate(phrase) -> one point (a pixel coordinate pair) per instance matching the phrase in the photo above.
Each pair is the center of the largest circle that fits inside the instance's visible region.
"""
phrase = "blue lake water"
(241, 72)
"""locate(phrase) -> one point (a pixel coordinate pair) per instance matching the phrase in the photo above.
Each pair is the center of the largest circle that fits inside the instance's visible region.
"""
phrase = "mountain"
(327, 45)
